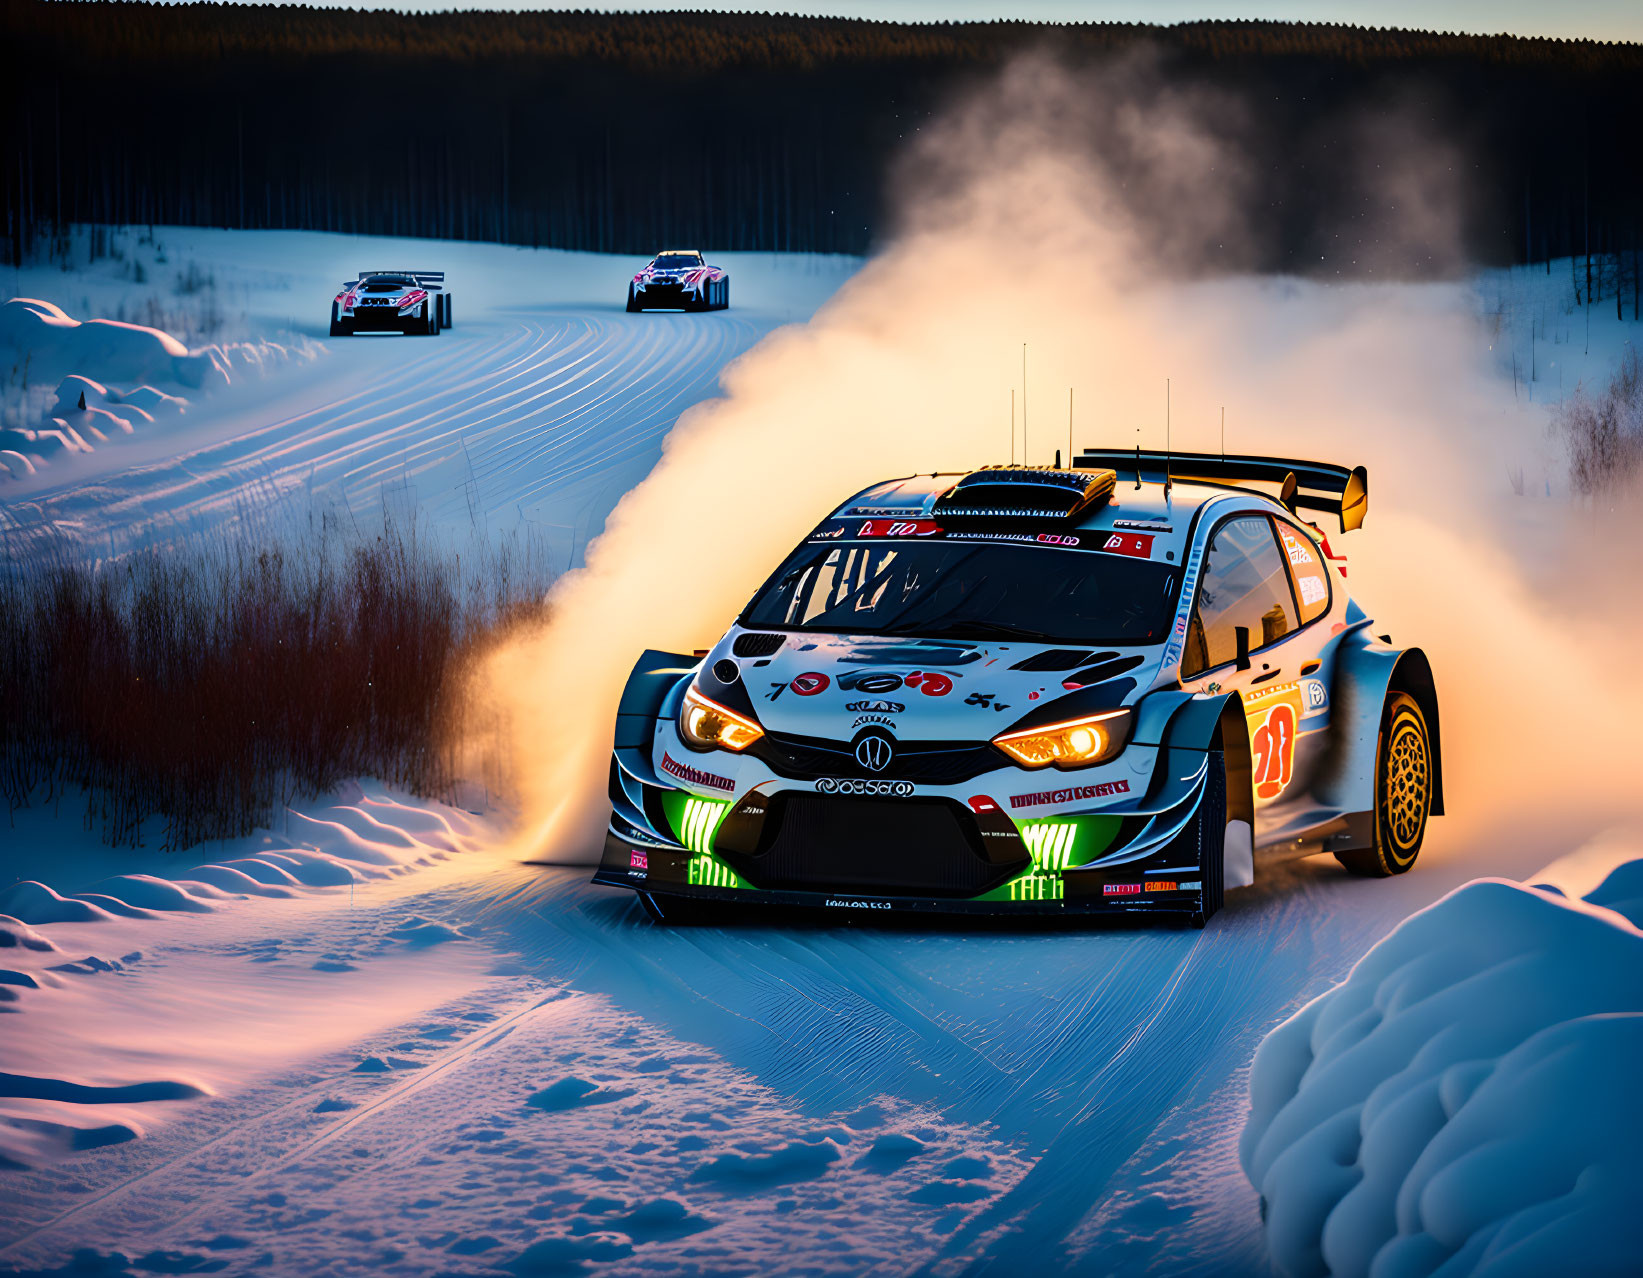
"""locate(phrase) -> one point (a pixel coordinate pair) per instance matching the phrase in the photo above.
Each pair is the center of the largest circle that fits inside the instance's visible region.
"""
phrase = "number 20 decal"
(1273, 718)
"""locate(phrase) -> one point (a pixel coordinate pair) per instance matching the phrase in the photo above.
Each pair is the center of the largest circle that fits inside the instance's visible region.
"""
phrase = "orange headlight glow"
(1077, 743)
(707, 725)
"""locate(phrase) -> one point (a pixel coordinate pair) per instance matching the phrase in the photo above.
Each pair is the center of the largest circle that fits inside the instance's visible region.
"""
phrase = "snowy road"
(561, 1074)
(541, 406)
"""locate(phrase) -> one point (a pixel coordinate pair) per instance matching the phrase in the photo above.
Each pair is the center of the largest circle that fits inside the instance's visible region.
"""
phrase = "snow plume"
(1115, 264)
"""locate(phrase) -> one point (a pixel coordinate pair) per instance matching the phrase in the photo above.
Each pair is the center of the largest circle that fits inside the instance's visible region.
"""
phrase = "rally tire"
(1403, 792)
(724, 294)
(1211, 826)
(445, 309)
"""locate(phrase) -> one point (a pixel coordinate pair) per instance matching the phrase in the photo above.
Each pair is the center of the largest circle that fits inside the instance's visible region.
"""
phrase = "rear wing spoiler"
(431, 280)
(1334, 490)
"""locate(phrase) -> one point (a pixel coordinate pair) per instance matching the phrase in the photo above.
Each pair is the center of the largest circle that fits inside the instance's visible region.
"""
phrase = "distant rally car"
(679, 280)
(410, 302)
(1034, 690)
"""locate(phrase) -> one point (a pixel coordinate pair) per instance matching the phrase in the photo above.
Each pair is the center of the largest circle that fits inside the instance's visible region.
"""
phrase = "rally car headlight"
(1077, 743)
(707, 725)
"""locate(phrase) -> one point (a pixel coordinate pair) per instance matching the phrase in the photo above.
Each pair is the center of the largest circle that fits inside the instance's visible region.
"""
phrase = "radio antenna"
(1012, 425)
(1223, 433)
(1166, 439)
(1069, 425)
(1025, 460)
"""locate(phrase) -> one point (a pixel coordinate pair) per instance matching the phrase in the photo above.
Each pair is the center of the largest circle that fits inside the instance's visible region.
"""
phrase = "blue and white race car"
(409, 302)
(1118, 687)
(680, 280)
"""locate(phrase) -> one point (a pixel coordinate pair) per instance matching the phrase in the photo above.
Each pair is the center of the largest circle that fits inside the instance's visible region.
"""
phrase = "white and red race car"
(679, 280)
(409, 302)
(1028, 690)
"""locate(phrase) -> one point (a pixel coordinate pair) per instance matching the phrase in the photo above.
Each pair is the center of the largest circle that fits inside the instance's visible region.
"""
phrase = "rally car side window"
(1245, 583)
(1306, 566)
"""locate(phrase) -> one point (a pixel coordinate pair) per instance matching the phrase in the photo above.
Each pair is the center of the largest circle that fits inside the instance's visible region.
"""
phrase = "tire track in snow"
(196, 1157)
(494, 423)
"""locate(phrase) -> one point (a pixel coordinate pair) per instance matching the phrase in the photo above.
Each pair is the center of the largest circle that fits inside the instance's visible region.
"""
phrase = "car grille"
(928, 847)
(932, 762)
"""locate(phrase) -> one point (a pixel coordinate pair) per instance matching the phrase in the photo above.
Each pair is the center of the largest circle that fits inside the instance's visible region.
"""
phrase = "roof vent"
(1023, 492)
(752, 644)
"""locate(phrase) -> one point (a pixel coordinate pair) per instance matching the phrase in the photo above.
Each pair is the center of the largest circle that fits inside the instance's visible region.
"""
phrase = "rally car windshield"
(676, 262)
(964, 590)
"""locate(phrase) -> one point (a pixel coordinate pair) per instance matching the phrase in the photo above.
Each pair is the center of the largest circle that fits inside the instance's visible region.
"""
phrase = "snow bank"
(367, 833)
(1465, 1102)
(43, 345)
(35, 903)
(16, 933)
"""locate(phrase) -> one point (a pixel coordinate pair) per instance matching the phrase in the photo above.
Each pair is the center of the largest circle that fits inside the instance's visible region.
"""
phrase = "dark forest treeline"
(618, 132)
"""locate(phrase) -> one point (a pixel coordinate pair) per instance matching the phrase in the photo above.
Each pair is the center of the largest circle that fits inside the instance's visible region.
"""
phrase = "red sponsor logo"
(1135, 545)
(981, 803)
(638, 860)
(695, 776)
(1120, 889)
(1161, 885)
(899, 528)
(415, 296)
(1071, 794)
(808, 685)
(929, 683)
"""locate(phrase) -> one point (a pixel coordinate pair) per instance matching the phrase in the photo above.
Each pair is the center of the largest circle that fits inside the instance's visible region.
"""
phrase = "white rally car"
(409, 302)
(680, 280)
(1032, 691)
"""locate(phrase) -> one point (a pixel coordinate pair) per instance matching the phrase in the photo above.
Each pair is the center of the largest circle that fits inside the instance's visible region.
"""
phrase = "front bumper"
(787, 846)
(664, 296)
(382, 319)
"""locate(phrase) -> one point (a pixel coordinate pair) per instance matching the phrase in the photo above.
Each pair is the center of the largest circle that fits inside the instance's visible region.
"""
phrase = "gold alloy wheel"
(1408, 787)
(1403, 792)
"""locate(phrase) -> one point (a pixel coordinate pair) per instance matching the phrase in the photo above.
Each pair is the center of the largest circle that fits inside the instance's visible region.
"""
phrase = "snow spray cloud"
(1015, 231)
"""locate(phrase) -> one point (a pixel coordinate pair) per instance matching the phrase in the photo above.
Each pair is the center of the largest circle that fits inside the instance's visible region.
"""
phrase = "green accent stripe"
(697, 820)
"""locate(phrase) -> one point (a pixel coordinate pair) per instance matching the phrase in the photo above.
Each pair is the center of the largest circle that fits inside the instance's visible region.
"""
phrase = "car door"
(1247, 586)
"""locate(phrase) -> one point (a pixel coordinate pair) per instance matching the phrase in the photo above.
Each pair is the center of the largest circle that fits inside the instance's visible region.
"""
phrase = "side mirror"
(1242, 633)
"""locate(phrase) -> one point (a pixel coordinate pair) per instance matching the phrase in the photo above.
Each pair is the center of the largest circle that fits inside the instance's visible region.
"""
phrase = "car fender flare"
(1366, 670)
(1200, 723)
(1185, 726)
(644, 697)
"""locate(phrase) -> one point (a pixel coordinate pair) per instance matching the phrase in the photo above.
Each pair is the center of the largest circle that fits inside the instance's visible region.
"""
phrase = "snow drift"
(43, 345)
(353, 840)
(1465, 1102)
(95, 1041)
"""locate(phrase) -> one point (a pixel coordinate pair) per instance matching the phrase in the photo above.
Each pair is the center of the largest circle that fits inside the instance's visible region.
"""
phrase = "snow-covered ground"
(402, 1053)
(1466, 1101)
(367, 1041)
(542, 405)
